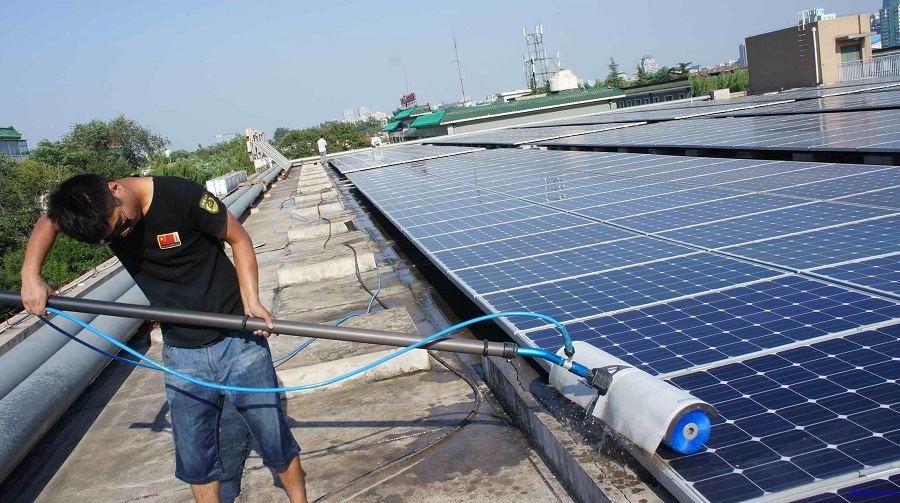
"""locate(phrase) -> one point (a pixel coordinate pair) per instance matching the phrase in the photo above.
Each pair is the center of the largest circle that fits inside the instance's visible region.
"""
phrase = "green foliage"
(641, 77)
(296, 143)
(614, 79)
(117, 148)
(205, 162)
(68, 260)
(737, 80)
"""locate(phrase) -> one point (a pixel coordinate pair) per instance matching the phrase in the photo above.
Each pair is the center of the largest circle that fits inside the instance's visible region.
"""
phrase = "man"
(323, 150)
(168, 234)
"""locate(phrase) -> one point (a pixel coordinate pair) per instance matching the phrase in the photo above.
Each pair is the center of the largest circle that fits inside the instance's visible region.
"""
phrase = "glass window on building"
(669, 98)
(646, 101)
(656, 99)
(851, 53)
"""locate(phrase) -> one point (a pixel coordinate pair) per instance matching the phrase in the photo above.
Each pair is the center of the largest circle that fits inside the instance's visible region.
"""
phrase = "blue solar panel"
(700, 330)
(854, 183)
(510, 230)
(590, 239)
(867, 131)
(883, 489)
(390, 155)
(888, 198)
(881, 273)
(571, 299)
(776, 223)
(705, 212)
(535, 244)
(826, 247)
(512, 137)
(797, 415)
(516, 272)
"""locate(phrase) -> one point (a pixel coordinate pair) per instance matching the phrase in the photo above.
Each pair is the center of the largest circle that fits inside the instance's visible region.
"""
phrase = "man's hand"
(35, 292)
(256, 310)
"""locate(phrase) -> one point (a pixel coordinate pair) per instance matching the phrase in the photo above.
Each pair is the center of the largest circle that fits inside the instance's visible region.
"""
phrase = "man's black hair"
(81, 207)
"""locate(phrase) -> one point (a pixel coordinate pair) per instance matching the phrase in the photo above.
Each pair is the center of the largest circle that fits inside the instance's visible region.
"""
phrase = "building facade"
(12, 144)
(649, 65)
(809, 54)
(655, 93)
(889, 23)
(742, 55)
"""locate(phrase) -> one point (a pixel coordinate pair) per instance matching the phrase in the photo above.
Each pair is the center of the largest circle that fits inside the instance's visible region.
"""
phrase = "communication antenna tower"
(455, 59)
(537, 67)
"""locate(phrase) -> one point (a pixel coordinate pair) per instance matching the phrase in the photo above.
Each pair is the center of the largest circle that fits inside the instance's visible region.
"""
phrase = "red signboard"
(408, 100)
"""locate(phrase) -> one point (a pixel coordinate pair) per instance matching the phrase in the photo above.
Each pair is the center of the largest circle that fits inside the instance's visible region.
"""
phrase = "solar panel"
(768, 289)
(390, 155)
(795, 416)
(867, 132)
(843, 102)
(661, 112)
(512, 137)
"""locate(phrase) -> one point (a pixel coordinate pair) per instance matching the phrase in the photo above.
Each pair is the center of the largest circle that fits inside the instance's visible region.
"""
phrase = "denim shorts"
(241, 359)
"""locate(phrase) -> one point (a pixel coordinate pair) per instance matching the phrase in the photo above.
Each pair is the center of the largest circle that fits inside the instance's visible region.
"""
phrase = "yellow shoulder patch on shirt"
(208, 203)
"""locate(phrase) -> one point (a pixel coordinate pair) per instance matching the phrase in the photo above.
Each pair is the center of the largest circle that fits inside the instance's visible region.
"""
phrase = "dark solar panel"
(768, 289)
(859, 101)
(868, 131)
(390, 155)
(790, 417)
(512, 137)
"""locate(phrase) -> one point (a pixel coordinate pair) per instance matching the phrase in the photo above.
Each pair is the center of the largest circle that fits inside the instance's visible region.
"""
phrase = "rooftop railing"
(882, 66)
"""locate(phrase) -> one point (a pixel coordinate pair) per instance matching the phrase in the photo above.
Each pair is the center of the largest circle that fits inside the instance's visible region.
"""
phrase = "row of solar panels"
(677, 264)
(769, 289)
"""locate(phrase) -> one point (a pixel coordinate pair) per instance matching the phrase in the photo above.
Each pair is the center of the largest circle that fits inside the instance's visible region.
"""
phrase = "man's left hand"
(257, 310)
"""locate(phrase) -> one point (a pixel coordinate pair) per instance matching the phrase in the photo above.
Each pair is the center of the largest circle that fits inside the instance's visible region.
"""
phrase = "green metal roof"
(411, 112)
(10, 132)
(551, 100)
(403, 114)
(393, 126)
(432, 119)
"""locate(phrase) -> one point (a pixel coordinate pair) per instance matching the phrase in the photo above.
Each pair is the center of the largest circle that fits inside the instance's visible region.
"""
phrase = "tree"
(641, 77)
(683, 69)
(614, 79)
(120, 138)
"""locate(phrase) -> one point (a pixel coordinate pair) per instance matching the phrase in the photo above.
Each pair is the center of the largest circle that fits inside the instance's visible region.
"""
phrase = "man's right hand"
(35, 292)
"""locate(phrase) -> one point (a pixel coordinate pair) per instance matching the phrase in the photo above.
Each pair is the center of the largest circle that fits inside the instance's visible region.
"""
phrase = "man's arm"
(35, 290)
(247, 270)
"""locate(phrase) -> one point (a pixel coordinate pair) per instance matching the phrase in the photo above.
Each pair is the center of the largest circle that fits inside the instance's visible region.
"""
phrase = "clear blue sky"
(190, 70)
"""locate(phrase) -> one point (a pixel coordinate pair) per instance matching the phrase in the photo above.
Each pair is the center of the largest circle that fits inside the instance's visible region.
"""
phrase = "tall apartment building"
(742, 55)
(348, 115)
(890, 23)
(649, 65)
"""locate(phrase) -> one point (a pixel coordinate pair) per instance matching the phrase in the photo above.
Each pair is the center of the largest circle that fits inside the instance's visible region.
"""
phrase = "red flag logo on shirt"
(170, 240)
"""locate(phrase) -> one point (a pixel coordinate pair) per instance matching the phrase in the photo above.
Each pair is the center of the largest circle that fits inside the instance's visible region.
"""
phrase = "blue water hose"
(689, 435)
(438, 335)
(306, 343)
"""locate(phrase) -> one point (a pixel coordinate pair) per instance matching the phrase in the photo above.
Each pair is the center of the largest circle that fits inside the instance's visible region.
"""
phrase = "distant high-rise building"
(648, 64)
(364, 112)
(742, 55)
(348, 115)
(890, 23)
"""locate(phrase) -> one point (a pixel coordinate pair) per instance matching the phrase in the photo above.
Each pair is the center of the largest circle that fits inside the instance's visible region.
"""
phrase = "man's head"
(85, 208)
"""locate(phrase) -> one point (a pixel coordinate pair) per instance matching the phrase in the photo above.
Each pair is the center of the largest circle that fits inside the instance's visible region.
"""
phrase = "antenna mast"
(465, 99)
(537, 68)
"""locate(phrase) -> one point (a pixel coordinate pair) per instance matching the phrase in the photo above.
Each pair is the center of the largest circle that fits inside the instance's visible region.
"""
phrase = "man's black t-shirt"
(176, 259)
